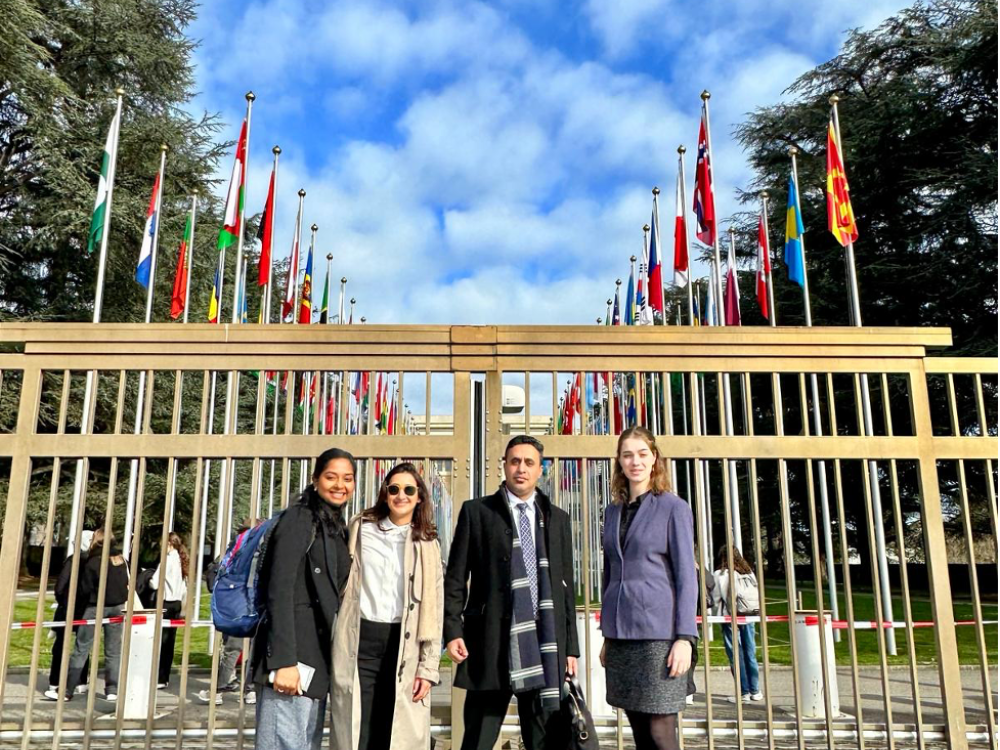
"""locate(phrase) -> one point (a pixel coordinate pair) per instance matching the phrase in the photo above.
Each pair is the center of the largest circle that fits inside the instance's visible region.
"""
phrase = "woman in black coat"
(305, 570)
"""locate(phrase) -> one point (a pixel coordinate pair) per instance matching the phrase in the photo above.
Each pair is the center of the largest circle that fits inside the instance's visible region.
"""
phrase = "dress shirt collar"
(513, 500)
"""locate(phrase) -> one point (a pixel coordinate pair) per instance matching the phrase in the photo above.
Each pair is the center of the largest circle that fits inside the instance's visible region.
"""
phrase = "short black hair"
(525, 440)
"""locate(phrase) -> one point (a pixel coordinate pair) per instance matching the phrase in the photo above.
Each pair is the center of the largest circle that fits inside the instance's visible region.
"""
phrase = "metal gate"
(841, 461)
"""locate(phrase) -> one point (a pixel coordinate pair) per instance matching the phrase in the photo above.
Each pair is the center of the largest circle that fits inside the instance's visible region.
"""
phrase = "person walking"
(305, 570)
(61, 615)
(387, 644)
(174, 594)
(650, 589)
(747, 603)
(510, 604)
(116, 593)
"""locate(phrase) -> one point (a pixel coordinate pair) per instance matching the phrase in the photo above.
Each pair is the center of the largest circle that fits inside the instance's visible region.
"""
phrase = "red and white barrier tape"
(810, 620)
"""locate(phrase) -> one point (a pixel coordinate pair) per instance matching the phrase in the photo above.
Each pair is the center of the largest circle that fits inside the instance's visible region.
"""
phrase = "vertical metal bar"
(16, 510)
(105, 557)
(585, 510)
(977, 606)
(190, 614)
(845, 559)
(786, 545)
(911, 647)
(43, 576)
(937, 563)
(759, 561)
(983, 431)
(427, 408)
(462, 400)
(527, 402)
(880, 613)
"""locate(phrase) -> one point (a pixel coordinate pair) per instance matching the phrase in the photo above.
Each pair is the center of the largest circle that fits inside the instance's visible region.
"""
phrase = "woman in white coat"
(387, 644)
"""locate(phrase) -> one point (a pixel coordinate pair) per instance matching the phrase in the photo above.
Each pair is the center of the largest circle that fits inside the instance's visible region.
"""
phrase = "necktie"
(528, 553)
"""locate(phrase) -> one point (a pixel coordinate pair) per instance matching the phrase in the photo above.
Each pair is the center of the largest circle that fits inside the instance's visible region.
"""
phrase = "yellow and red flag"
(839, 214)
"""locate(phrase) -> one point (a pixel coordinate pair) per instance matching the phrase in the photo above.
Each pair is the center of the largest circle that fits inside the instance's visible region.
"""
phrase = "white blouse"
(174, 585)
(383, 545)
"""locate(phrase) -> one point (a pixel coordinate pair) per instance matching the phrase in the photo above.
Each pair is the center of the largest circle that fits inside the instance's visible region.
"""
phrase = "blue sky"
(472, 162)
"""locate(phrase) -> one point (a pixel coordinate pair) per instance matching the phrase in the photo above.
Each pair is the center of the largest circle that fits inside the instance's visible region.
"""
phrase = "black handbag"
(579, 724)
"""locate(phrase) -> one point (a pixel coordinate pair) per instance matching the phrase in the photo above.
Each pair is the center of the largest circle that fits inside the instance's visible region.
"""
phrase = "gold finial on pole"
(834, 99)
(353, 301)
(632, 258)
(656, 191)
(764, 195)
(302, 192)
(329, 256)
(618, 282)
(251, 96)
(705, 95)
(343, 279)
(314, 227)
(120, 91)
(276, 150)
(682, 149)
(164, 147)
(793, 150)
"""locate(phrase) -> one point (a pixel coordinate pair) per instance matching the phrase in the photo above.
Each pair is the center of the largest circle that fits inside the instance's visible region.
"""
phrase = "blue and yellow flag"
(793, 236)
(213, 304)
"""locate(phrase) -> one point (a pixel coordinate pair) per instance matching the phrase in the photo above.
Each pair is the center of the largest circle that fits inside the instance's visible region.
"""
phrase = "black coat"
(304, 573)
(480, 554)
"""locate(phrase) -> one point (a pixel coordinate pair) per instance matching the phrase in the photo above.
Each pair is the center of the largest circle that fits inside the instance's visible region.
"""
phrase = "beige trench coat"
(411, 724)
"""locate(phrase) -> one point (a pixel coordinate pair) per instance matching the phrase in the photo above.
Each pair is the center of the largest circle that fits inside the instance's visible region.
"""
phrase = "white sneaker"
(162, 685)
(111, 697)
(689, 700)
(204, 697)
(745, 698)
(80, 690)
(758, 696)
(52, 694)
(250, 698)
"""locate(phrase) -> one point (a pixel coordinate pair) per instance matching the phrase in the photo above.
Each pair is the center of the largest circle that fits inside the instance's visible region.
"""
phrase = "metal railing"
(901, 467)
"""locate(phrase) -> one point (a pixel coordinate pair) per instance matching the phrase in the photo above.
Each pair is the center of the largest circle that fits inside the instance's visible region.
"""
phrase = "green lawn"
(779, 649)
(778, 646)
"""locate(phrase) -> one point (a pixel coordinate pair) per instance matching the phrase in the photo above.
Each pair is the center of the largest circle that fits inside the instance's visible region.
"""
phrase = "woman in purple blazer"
(650, 593)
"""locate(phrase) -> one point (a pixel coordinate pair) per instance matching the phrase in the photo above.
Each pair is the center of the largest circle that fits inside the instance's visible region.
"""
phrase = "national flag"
(324, 308)
(839, 214)
(655, 269)
(696, 313)
(103, 189)
(681, 275)
(305, 301)
(630, 298)
(616, 317)
(265, 235)
(288, 305)
(234, 199)
(763, 267)
(794, 259)
(215, 302)
(377, 414)
(704, 199)
(178, 299)
(142, 269)
(732, 292)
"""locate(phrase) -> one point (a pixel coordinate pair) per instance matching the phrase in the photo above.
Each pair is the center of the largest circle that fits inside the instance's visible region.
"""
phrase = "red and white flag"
(763, 268)
(680, 238)
(704, 199)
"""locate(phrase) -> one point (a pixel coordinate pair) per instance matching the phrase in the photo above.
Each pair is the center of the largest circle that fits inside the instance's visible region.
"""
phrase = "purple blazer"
(650, 589)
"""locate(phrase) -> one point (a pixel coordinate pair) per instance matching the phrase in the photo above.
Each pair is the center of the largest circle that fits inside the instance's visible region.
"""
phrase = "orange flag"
(839, 214)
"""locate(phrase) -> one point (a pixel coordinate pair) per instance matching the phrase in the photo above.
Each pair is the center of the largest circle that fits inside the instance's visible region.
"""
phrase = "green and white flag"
(101, 203)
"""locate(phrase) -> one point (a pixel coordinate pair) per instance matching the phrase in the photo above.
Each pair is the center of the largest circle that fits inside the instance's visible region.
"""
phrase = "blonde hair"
(659, 479)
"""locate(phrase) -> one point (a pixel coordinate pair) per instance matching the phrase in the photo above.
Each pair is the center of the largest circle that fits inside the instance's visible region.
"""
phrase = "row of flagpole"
(722, 304)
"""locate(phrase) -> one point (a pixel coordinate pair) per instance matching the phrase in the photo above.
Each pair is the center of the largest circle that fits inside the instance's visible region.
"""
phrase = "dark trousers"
(485, 711)
(171, 611)
(57, 646)
(378, 652)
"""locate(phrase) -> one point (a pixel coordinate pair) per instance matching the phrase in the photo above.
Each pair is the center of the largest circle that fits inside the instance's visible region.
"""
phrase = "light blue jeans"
(289, 722)
(749, 673)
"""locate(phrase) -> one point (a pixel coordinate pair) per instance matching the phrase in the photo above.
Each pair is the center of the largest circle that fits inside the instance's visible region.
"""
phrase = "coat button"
(317, 571)
(507, 532)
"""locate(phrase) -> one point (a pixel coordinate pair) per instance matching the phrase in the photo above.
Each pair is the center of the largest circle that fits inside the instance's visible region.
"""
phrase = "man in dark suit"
(477, 621)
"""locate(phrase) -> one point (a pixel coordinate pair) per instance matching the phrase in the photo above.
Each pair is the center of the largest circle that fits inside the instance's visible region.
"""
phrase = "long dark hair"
(324, 514)
(173, 540)
(740, 565)
(422, 524)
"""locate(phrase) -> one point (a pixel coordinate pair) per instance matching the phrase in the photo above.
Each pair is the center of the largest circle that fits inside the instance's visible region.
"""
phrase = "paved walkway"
(873, 703)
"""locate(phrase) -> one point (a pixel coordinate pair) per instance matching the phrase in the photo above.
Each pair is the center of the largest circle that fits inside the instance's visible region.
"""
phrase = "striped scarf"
(534, 654)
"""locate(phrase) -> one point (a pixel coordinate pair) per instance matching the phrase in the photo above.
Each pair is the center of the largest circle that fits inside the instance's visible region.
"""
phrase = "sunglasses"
(409, 490)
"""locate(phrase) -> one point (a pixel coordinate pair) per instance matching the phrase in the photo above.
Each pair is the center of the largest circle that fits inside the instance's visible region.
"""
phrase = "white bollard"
(809, 664)
(140, 662)
(598, 700)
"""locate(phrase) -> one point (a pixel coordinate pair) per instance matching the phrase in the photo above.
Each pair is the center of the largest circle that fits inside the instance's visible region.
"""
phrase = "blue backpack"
(238, 604)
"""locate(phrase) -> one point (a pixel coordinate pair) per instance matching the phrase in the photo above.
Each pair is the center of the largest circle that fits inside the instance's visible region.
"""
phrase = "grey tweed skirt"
(638, 679)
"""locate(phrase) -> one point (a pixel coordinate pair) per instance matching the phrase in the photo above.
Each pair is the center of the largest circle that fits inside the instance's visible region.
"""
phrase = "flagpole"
(141, 395)
(241, 220)
(687, 239)
(772, 318)
(327, 391)
(855, 303)
(190, 258)
(78, 480)
(307, 376)
(343, 293)
(270, 255)
(734, 497)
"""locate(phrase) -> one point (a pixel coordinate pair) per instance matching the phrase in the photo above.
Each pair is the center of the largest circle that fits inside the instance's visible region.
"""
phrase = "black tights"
(654, 731)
